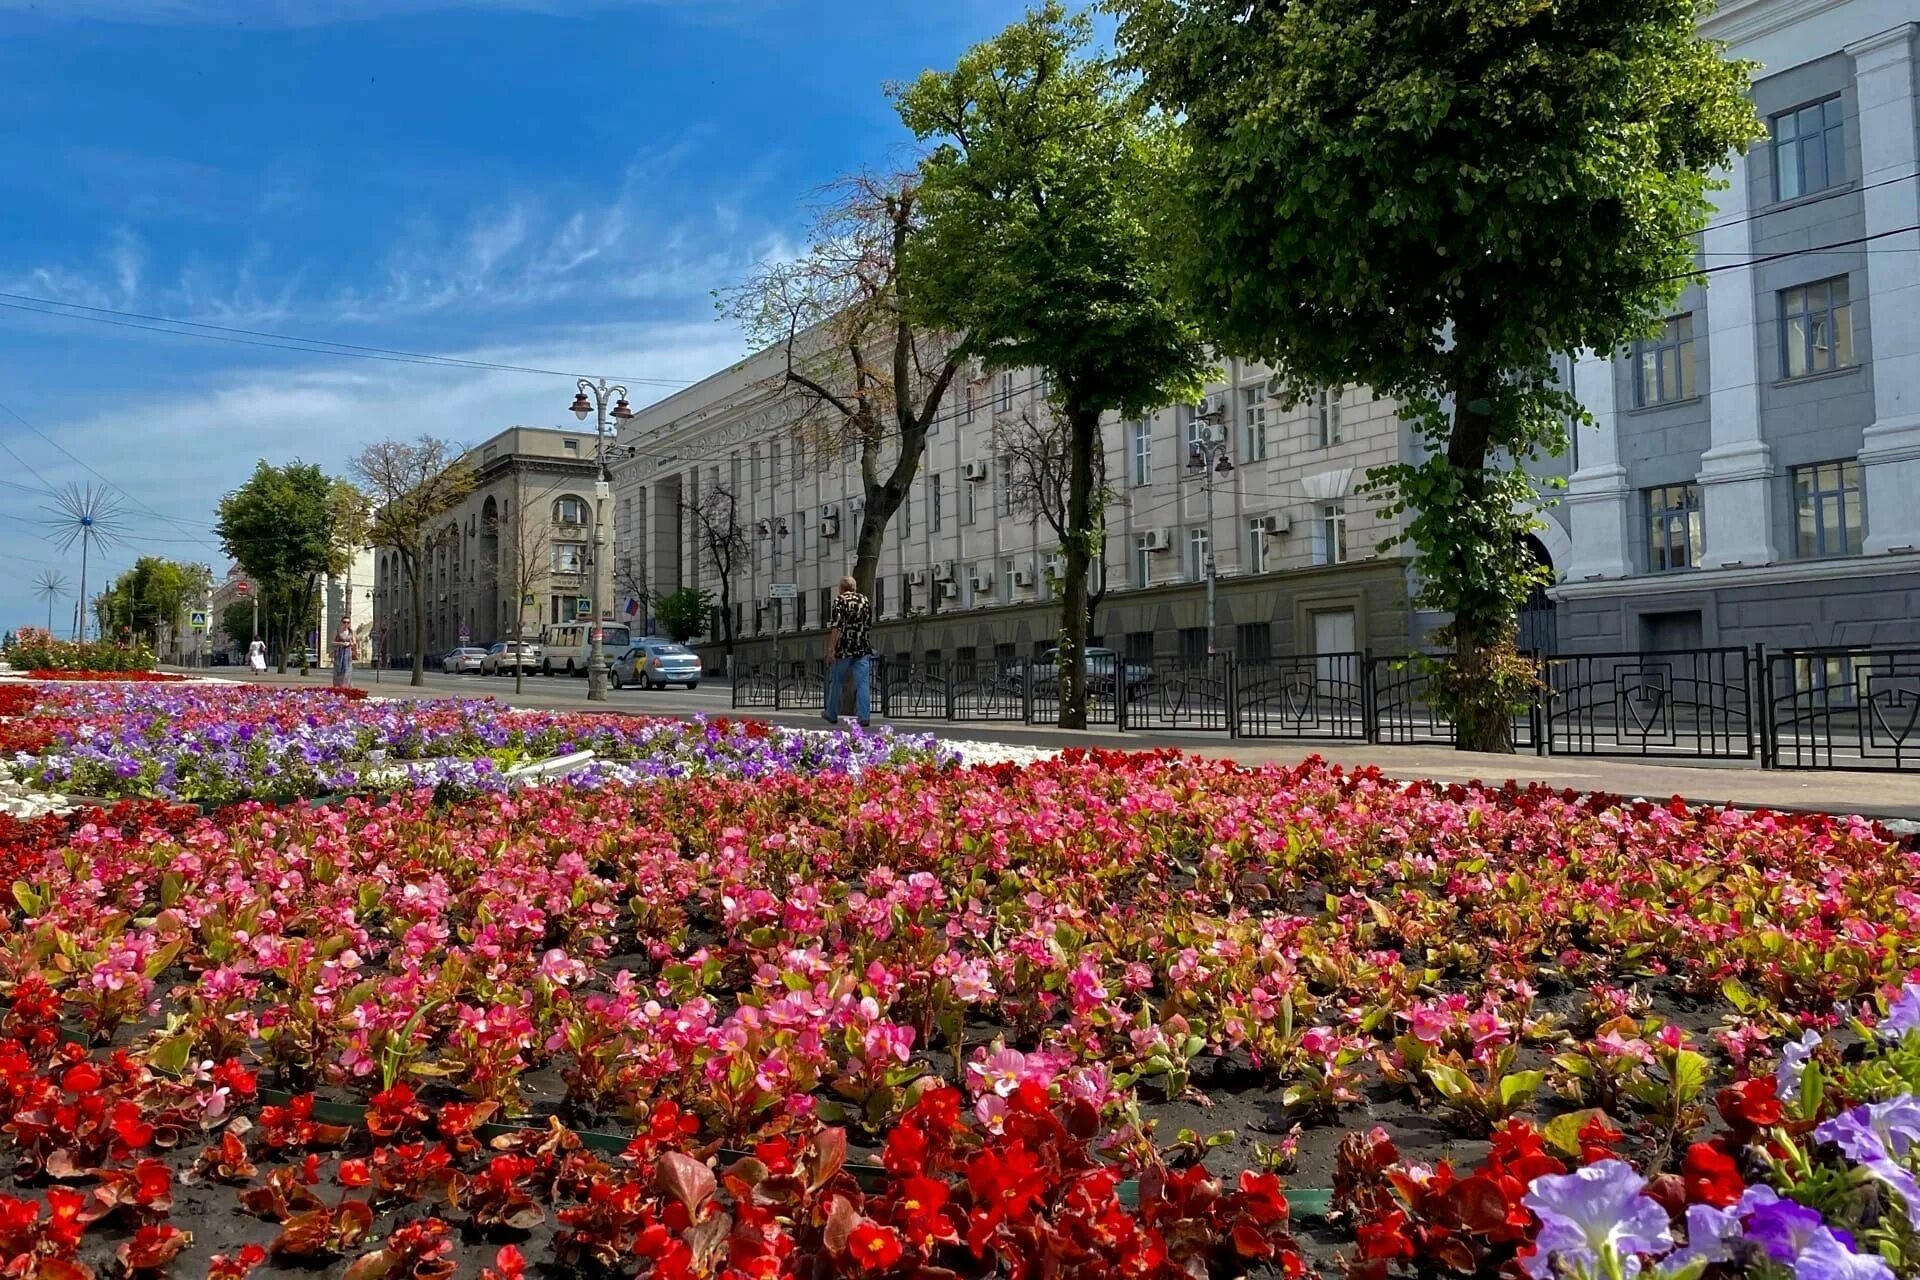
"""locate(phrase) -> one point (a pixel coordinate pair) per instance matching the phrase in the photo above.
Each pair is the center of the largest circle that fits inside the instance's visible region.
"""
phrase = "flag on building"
(633, 606)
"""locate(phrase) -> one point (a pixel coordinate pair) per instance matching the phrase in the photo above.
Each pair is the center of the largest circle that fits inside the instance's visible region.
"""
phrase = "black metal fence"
(1838, 708)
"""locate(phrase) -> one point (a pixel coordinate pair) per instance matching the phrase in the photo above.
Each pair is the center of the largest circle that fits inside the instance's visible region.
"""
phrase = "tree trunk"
(1083, 426)
(866, 545)
(419, 626)
(726, 616)
(519, 631)
(1481, 722)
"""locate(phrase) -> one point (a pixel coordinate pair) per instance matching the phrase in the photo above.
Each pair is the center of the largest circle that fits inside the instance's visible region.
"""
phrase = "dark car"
(1100, 667)
(220, 660)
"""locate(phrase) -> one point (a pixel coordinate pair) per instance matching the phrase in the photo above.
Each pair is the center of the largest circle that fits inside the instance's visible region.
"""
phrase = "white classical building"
(965, 569)
(1756, 475)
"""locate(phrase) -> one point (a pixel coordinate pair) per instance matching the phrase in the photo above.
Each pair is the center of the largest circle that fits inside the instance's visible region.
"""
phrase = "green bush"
(36, 650)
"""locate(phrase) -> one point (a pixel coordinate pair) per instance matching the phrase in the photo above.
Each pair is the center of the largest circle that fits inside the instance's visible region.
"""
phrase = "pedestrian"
(849, 651)
(257, 656)
(343, 654)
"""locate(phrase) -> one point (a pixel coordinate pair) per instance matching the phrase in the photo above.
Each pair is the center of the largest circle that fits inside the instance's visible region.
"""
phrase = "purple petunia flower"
(1793, 1065)
(1826, 1258)
(1876, 1136)
(1903, 1015)
(1594, 1213)
(1784, 1228)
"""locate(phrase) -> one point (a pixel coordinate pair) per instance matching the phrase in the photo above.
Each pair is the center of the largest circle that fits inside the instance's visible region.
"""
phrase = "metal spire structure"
(87, 514)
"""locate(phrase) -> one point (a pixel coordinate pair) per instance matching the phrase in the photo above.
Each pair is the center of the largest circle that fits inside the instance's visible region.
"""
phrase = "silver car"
(655, 664)
(504, 657)
(466, 658)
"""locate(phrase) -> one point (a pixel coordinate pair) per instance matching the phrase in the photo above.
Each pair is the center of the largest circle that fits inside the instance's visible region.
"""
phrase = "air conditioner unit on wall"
(982, 580)
(829, 526)
(943, 571)
(831, 511)
(948, 590)
(1056, 565)
(917, 577)
(1023, 577)
(1157, 540)
(1276, 525)
(974, 471)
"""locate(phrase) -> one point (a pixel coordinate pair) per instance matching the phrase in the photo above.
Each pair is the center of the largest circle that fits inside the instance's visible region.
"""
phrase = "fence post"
(1761, 717)
(1233, 698)
(1026, 687)
(946, 684)
(886, 688)
(1539, 710)
(1119, 691)
(1369, 699)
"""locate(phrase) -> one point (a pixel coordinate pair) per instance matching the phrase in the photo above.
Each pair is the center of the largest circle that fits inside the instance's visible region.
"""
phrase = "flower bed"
(41, 650)
(136, 677)
(220, 743)
(1033, 997)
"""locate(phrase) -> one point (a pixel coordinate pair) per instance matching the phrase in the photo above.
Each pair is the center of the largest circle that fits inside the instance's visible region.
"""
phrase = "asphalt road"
(545, 692)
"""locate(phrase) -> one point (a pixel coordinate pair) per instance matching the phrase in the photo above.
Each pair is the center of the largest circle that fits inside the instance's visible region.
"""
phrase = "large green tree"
(1036, 245)
(1440, 200)
(289, 527)
(150, 599)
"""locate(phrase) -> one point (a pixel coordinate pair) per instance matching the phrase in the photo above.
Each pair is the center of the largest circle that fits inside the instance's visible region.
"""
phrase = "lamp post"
(1207, 458)
(773, 530)
(602, 566)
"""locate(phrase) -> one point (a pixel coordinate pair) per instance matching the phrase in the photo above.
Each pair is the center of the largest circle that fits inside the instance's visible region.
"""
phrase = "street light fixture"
(1207, 458)
(600, 392)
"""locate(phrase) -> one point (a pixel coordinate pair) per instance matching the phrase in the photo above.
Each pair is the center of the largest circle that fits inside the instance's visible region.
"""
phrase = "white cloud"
(180, 455)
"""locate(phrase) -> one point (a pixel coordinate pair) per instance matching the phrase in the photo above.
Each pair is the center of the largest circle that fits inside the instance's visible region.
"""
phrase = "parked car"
(654, 664)
(1100, 666)
(506, 656)
(222, 659)
(466, 658)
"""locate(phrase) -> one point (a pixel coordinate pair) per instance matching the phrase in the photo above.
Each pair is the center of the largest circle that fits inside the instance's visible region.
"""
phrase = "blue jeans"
(837, 683)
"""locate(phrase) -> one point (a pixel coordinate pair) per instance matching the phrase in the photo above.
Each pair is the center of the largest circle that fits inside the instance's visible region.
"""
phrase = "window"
(1006, 580)
(1827, 513)
(1195, 433)
(571, 445)
(1326, 418)
(1673, 527)
(569, 557)
(1193, 643)
(1256, 546)
(1197, 554)
(570, 510)
(933, 503)
(1006, 390)
(799, 536)
(1143, 451)
(1809, 149)
(970, 504)
(1142, 561)
(1003, 485)
(1139, 646)
(967, 402)
(1816, 328)
(800, 613)
(1663, 366)
(1253, 421)
(905, 529)
(1330, 534)
(1254, 640)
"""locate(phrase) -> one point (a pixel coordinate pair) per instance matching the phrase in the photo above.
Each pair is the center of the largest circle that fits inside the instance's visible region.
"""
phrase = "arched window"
(570, 510)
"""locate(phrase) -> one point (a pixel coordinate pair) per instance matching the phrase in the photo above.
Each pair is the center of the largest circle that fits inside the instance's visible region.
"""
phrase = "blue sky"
(553, 183)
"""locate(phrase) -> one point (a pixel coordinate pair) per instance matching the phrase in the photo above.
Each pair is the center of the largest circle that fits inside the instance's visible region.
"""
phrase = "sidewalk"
(1889, 796)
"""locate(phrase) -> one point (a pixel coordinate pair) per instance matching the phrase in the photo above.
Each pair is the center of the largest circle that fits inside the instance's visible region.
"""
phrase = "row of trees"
(1440, 201)
(149, 602)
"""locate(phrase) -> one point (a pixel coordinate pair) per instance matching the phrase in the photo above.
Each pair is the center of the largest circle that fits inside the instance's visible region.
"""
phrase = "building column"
(663, 547)
(1597, 494)
(1736, 471)
(1885, 80)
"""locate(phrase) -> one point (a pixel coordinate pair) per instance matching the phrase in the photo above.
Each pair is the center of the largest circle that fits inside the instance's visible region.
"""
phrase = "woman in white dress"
(257, 654)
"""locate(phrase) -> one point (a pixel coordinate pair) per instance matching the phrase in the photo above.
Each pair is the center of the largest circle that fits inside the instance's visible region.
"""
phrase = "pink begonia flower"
(991, 1110)
(1428, 1025)
(889, 1040)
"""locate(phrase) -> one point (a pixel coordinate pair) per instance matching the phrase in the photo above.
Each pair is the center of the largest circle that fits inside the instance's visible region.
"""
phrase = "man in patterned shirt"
(849, 651)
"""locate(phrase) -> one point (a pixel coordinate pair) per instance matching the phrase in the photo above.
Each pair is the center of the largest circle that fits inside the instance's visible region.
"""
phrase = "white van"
(568, 646)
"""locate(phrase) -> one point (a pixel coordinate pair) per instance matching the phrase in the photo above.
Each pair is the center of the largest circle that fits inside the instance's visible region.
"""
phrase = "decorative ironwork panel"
(1696, 703)
(1844, 709)
(1319, 696)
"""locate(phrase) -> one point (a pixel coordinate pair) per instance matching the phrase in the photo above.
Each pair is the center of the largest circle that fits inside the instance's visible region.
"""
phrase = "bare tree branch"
(721, 540)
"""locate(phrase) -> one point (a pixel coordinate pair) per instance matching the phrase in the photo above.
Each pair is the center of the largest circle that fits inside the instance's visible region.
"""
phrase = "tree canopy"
(1439, 201)
(1038, 247)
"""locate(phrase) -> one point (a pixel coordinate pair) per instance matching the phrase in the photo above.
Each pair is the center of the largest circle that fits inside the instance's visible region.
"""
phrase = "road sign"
(199, 621)
(783, 591)
(466, 636)
(526, 601)
(241, 587)
(582, 607)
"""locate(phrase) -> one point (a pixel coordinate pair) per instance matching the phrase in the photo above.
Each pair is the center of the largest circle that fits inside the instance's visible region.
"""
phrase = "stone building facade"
(534, 482)
(1756, 475)
(968, 570)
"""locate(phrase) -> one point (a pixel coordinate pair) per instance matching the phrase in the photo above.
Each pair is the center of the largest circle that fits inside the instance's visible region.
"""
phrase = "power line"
(176, 521)
(281, 341)
(1835, 194)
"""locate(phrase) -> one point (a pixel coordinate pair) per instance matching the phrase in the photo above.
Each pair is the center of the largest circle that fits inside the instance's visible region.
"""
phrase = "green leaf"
(1689, 1075)
(1452, 1082)
(1519, 1087)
